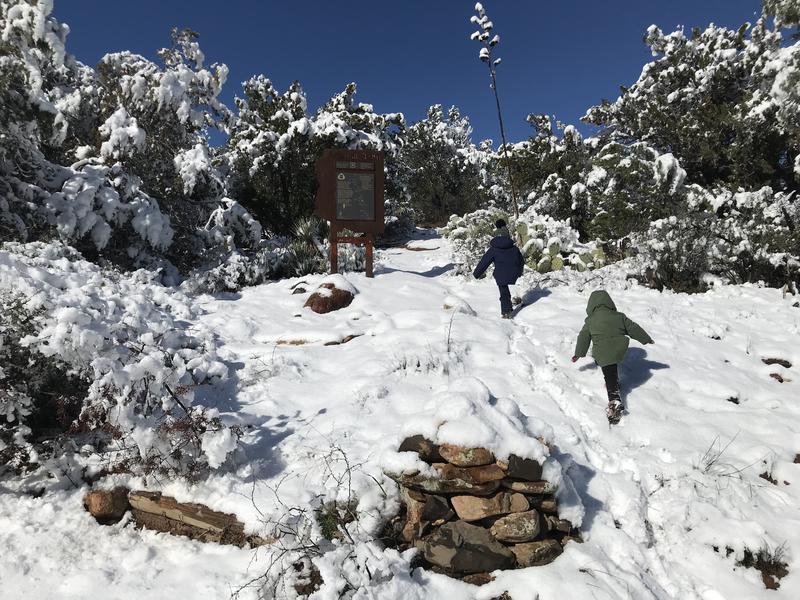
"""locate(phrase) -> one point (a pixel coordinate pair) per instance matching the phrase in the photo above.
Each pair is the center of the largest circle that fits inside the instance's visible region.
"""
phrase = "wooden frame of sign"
(350, 195)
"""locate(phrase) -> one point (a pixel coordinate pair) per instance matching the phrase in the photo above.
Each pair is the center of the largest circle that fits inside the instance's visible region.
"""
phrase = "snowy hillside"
(701, 470)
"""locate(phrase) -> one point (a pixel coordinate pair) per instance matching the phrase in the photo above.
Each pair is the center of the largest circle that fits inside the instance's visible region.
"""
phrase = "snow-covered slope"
(677, 478)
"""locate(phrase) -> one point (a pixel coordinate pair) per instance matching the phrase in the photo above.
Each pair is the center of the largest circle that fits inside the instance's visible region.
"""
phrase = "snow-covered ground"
(678, 477)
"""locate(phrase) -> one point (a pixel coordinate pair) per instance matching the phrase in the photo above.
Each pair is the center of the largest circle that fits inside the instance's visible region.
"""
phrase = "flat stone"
(152, 510)
(472, 474)
(536, 554)
(462, 456)
(437, 508)
(435, 485)
(544, 504)
(107, 506)
(518, 527)
(412, 529)
(530, 487)
(471, 508)
(524, 468)
(462, 548)
(427, 450)
(419, 496)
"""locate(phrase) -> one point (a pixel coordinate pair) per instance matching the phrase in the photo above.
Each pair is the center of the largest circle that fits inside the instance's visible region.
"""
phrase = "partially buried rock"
(462, 456)
(524, 468)
(328, 298)
(470, 508)
(556, 524)
(518, 527)
(536, 554)
(427, 450)
(107, 506)
(463, 548)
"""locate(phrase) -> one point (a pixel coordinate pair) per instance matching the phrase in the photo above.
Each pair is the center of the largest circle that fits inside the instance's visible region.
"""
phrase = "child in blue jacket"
(508, 265)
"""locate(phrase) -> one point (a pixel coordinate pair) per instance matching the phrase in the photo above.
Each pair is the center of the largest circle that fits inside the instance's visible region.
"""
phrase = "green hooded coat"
(607, 330)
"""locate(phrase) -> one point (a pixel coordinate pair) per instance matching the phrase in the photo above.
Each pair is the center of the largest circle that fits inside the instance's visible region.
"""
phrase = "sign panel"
(355, 196)
(350, 190)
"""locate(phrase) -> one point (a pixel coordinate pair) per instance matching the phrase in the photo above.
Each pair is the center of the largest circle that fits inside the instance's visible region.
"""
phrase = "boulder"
(328, 298)
(535, 554)
(427, 450)
(530, 487)
(518, 527)
(437, 509)
(462, 548)
(473, 474)
(436, 485)
(470, 508)
(107, 506)
(462, 456)
(524, 468)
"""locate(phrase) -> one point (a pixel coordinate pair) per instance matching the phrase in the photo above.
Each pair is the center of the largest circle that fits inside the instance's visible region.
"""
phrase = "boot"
(614, 411)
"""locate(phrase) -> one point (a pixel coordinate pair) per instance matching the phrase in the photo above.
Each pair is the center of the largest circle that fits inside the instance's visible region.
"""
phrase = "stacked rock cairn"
(479, 514)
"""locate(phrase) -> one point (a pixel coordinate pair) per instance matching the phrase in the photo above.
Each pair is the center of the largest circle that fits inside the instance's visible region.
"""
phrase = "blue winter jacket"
(507, 259)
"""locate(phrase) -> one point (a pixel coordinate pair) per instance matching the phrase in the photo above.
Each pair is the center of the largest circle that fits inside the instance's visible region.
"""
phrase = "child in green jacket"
(608, 332)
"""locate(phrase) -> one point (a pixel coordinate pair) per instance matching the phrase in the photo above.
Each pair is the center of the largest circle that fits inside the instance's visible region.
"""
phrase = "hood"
(597, 299)
(503, 242)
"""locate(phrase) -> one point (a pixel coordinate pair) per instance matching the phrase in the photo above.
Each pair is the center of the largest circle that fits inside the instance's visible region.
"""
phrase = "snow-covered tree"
(275, 143)
(440, 168)
(723, 102)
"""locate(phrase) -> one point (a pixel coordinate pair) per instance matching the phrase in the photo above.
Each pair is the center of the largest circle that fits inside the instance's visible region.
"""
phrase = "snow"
(191, 165)
(678, 476)
(122, 132)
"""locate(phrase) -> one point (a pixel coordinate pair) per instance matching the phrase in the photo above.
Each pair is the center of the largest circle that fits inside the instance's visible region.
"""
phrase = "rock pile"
(479, 514)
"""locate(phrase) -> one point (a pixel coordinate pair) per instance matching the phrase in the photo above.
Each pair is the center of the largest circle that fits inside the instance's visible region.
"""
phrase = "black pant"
(505, 298)
(611, 376)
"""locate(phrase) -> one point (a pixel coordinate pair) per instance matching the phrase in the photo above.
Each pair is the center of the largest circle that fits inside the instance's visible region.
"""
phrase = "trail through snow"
(676, 479)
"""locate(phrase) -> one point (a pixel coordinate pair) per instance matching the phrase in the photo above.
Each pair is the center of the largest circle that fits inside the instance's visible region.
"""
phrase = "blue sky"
(559, 57)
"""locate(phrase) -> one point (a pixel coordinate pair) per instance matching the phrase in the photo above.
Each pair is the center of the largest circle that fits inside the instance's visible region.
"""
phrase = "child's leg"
(614, 410)
(505, 299)
(611, 375)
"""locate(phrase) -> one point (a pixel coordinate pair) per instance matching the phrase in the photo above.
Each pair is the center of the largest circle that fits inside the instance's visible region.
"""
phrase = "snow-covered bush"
(122, 336)
(738, 237)
(547, 244)
(470, 235)
(39, 395)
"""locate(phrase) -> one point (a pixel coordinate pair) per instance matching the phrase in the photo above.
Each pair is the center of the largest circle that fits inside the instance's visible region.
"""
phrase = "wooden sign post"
(350, 196)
